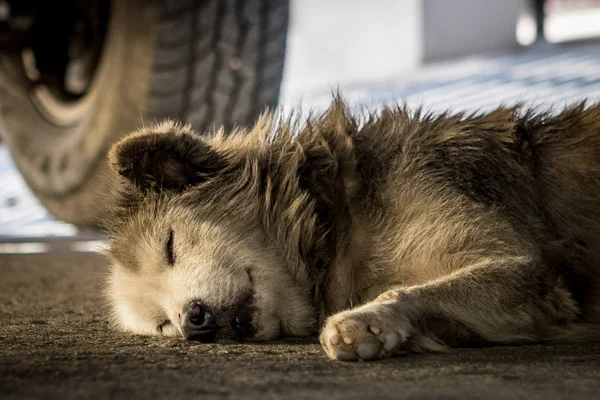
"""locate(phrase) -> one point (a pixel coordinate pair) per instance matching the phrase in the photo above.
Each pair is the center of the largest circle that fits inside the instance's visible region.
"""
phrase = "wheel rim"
(52, 129)
(61, 66)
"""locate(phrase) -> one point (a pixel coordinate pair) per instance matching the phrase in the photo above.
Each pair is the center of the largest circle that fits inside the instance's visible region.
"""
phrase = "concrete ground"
(55, 342)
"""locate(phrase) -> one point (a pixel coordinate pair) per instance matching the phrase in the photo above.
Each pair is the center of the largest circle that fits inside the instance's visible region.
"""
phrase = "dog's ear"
(165, 156)
(328, 168)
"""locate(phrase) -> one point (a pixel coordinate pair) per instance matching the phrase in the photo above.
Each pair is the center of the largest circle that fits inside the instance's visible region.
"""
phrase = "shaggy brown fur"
(400, 232)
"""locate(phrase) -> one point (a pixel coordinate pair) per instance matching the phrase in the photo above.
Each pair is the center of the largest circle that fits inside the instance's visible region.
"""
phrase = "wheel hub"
(59, 46)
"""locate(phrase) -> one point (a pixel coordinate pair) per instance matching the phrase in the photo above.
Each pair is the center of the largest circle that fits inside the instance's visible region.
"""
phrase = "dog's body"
(402, 232)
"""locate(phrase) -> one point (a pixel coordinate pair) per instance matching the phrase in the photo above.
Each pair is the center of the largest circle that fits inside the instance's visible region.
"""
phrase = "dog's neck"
(322, 230)
(312, 229)
(313, 208)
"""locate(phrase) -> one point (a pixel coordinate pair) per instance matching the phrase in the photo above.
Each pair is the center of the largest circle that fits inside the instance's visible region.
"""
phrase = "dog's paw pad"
(368, 350)
(363, 333)
(346, 355)
(392, 340)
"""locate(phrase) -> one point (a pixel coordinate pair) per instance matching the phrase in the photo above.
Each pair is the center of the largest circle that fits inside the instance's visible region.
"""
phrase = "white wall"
(339, 42)
(335, 42)
(454, 28)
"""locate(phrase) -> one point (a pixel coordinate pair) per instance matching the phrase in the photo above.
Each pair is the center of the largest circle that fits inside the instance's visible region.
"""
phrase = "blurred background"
(442, 54)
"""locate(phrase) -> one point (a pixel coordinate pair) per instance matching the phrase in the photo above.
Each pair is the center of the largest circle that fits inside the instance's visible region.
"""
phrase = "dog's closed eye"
(169, 249)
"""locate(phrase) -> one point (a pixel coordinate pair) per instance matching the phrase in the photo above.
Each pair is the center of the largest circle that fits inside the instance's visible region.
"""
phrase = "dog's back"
(484, 183)
(566, 165)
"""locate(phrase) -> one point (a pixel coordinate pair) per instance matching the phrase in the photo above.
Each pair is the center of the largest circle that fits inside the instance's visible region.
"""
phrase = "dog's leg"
(498, 300)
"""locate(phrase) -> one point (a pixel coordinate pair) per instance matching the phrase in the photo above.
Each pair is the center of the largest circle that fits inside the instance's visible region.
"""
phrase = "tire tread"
(223, 60)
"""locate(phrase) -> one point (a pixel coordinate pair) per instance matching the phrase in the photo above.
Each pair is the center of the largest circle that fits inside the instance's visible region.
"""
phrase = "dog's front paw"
(368, 332)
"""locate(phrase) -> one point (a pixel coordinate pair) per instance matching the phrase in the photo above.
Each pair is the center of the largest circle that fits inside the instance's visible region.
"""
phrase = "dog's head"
(210, 236)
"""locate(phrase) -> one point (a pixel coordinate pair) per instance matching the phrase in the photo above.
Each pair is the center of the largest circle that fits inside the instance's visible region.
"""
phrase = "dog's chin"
(266, 328)
(277, 314)
(273, 326)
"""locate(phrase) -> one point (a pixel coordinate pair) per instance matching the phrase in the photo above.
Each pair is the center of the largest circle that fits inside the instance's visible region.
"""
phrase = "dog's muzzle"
(198, 324)
(207, 326)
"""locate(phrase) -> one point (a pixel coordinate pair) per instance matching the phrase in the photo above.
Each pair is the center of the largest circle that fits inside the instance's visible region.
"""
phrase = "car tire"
(211, 63)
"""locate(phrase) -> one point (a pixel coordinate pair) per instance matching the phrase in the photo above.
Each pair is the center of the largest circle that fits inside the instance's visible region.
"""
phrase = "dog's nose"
(198, 324)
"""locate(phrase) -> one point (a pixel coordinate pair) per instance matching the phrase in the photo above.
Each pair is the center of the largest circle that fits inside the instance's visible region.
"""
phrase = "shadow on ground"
(55, 342)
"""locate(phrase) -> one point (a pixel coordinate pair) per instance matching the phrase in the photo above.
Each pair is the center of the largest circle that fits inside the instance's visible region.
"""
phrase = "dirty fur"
(399, 231)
